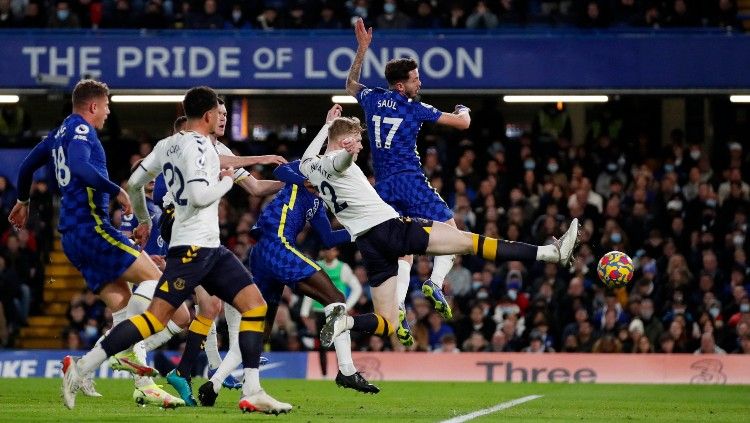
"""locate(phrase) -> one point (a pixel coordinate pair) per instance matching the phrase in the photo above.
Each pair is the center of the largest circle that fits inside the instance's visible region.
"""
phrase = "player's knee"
(181, 316)
(209, 307)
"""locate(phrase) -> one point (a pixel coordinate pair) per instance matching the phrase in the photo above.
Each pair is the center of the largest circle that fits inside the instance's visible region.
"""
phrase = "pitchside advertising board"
(488, 367)
(311, 60)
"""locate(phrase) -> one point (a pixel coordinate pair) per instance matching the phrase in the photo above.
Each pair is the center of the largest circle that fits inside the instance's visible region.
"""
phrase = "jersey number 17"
(379, 120)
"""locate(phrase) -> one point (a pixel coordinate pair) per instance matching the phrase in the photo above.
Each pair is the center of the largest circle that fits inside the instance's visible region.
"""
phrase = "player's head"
(201, 106)
(91, 100)
(179, 124)
(221, 122)
(403, 76)
(342, 128)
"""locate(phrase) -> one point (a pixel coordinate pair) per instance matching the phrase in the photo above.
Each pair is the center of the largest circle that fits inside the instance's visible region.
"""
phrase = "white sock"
(212, 348)
(343, 345)
(251, 384)
(234, 355)
(440, 267)
(140, 351)
(119, 316)
(402, 280)
(160, 338)
(91, 361)
(230, 362)
(547, 253)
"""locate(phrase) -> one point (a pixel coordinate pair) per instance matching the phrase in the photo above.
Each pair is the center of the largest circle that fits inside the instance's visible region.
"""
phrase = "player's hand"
(18, 215)
(352, 146)
(226, 172)
(333, 113)
(124, 199)
(159, 262)
(271, 159)
(461, 108)
(364, 36)
(141, 234)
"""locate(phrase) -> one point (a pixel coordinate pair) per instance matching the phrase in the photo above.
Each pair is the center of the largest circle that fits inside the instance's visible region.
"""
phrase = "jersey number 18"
(394, 122)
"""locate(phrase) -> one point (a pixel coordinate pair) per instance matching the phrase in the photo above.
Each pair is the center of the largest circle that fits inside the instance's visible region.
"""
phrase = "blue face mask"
(529, 164)
(361, 11)
(616, 237)
(389, 8)
(669, 167)
(91, 331)
(63, 14)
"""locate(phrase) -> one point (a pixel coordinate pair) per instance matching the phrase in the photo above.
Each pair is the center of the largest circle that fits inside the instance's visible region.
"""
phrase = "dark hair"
(179, 122)
(87, 90)
(397, 70)
(199, 100)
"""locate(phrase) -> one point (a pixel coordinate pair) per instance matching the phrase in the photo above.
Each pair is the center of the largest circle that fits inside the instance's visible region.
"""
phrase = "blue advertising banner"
(46, 363)
(320, 60)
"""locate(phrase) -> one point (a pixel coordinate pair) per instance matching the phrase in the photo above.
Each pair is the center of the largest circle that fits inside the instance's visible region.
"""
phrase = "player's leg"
(403, 278)
(222, 377)
(320, 288)
(232, 282)
(180, 378)
(120, 337)
(445, 239)
(106, 259)
(423, 201)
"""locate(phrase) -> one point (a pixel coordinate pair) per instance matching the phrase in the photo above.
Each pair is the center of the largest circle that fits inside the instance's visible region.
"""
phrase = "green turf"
(38, 400)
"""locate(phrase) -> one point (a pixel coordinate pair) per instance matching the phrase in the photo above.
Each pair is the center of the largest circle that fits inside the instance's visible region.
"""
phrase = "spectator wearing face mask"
(62, 17)
(392, 18)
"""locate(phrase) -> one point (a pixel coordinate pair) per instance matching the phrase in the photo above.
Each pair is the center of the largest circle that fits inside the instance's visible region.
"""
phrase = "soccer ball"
(615, 269)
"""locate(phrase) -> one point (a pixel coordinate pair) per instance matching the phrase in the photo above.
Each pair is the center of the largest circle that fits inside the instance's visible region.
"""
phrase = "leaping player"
(393, 118)
(382, 236)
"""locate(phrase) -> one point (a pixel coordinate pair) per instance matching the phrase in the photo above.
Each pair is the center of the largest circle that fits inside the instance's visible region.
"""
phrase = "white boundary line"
(498, 407)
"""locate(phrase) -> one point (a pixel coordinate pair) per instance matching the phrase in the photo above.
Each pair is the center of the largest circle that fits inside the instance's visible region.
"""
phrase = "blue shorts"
(275, 264)
(217, 270)
(411, 195)
(101, 253)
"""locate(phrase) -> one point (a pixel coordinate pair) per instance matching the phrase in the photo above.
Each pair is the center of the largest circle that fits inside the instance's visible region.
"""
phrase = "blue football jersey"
(393, 123)
(288, 213)
(81, 204)
(156, 244)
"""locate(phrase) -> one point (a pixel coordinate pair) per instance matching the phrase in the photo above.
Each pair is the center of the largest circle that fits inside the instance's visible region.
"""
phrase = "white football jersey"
(348, 194)
(188, 157)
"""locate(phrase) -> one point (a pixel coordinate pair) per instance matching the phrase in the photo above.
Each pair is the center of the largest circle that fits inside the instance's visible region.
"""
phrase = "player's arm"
(459, 119)
(322, 226)
(355, 288)
(364, 38)
(310, 155)
(144, 173)
(200, 192)
(79, 154)
(237, 162)
(258, 187)
(38, 156)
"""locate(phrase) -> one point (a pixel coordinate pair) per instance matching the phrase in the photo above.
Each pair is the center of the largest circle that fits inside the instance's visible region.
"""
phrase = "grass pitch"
(38, 400)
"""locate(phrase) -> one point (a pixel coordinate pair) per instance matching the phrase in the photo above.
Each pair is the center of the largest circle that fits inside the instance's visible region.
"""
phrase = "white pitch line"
(496, 408)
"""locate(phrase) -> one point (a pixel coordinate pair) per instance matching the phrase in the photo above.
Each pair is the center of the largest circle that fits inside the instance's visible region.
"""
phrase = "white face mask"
(695, 154)
(236, 15)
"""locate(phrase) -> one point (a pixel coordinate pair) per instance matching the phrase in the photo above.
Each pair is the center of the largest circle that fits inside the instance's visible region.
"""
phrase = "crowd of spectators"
(678, 207)
(381, 14)
(22, 257)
